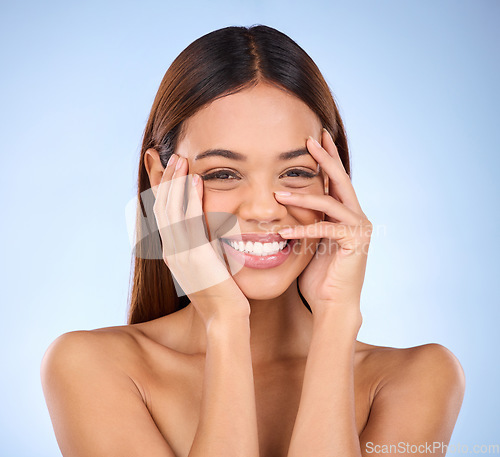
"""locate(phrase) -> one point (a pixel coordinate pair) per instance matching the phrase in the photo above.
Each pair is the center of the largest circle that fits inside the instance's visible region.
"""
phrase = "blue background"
(417, 87)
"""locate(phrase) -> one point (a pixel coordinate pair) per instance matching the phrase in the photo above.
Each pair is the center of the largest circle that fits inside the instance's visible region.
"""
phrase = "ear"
(154, 168)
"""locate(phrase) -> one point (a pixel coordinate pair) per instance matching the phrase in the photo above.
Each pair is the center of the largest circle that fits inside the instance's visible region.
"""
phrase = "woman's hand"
(188, 253)
(334, 276)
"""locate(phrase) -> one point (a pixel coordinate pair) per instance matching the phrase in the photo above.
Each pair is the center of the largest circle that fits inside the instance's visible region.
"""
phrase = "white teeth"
(258, 248)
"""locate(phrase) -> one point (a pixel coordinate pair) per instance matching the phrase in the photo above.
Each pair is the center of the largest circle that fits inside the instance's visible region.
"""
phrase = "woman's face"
(258, 124)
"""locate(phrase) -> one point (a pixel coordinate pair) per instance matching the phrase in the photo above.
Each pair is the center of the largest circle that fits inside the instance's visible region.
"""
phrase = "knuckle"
(344, 176)
(157, 207)
(367, 229)
(364, 221)
(368, 224)
(166, 257)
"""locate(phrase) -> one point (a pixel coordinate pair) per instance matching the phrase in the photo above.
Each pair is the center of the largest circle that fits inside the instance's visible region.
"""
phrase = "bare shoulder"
(112, 354)
(125, 353)
(110, 344)
(95, 404)
(418, 364)
(416, 390)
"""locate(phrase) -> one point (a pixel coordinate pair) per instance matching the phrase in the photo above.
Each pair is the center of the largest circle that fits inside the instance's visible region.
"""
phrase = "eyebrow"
(242, 158)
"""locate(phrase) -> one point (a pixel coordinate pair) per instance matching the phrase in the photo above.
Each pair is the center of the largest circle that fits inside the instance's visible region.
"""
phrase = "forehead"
(260, 120)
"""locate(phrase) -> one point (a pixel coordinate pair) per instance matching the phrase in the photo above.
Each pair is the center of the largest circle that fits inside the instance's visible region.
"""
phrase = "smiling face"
(258, 125)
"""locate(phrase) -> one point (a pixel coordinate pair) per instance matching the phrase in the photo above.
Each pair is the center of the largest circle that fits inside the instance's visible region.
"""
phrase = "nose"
(259, 205)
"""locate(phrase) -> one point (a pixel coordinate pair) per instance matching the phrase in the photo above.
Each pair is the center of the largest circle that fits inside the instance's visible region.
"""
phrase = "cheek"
(219, 209)
(218, 201)
(305, 216)
(305, 251)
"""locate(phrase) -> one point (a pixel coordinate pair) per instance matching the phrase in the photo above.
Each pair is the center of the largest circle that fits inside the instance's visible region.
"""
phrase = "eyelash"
(212, 176)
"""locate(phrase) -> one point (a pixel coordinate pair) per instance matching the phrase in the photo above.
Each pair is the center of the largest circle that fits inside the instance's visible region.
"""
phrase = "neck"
(280, 328)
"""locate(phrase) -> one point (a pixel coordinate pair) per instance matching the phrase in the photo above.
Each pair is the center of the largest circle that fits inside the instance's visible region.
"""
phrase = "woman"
(242, 337)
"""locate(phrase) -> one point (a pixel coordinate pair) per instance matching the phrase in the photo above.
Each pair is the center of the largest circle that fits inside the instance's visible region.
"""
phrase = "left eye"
(301, 174)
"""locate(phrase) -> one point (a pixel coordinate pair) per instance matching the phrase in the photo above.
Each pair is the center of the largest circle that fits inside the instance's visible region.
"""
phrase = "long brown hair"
(217, 64)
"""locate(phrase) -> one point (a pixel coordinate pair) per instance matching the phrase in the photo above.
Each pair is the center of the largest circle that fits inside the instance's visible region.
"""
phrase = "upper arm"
(95, 408)
(417, 406)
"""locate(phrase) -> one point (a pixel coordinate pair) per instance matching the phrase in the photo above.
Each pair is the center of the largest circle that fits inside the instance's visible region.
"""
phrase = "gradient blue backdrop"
(417, 86)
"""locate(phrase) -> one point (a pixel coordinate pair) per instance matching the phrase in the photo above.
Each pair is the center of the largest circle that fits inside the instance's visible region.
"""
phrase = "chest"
(174, 398)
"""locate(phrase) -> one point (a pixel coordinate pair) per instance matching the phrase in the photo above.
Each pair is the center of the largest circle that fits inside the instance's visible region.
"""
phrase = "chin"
(263, 287)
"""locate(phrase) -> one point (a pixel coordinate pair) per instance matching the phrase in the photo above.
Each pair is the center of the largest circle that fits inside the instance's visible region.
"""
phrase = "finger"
(159, 206)
(349, 237)
(175, 199)
(195, 227)
(332, 148)
(324, 203)
(341, 183)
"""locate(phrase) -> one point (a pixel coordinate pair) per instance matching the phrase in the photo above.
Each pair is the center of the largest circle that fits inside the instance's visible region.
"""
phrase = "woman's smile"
(257, 254)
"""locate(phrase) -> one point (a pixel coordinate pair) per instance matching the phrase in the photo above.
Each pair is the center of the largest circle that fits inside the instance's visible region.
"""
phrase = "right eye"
(220, 175)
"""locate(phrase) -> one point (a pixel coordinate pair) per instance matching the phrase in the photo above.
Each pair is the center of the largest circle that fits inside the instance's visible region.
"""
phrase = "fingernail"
(282, 194)
(171, 160)
(196, 179)
(286, 231)
(179, 163)
(315, 141)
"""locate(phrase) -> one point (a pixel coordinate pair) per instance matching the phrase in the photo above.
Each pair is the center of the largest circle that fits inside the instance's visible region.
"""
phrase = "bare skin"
(140, 386)
(167, 372)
